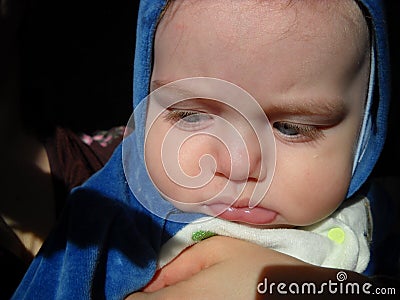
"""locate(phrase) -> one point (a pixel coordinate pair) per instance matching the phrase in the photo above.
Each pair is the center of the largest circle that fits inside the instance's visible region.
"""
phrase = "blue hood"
(106, 244)
(374, 130)
(375, 122)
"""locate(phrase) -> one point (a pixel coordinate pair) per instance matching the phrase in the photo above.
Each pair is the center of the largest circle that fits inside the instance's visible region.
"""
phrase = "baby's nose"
(240, 156)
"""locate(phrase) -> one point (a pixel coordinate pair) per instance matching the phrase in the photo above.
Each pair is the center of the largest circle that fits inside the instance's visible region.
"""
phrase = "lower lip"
(256, 215)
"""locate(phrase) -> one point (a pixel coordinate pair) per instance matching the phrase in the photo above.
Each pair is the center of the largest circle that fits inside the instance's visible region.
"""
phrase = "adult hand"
(219, 267)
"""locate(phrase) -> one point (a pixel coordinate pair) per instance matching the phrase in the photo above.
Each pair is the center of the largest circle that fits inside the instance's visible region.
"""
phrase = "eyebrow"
(335, 108)
(155, 84)
(311, 107)
(170, 92)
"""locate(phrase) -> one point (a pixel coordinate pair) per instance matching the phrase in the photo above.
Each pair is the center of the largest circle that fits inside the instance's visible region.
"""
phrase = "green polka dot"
(202, 235)
(336, 234)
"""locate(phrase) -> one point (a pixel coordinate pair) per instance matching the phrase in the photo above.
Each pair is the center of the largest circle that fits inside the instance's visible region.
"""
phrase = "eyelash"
(174, 116)
(177, 115)
(303, 133)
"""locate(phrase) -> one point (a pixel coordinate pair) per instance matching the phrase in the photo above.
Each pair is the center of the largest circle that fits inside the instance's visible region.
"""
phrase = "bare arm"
(227, 268)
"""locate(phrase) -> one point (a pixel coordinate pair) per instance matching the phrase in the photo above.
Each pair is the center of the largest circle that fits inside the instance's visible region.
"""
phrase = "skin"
(291, 54)
(209, 270)
(202, 265)
(320, 95)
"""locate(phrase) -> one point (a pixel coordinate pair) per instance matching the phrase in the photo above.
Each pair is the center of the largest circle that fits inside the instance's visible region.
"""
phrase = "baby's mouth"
(239, 212)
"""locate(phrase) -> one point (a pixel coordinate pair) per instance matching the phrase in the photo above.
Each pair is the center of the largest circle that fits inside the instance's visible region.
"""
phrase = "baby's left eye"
(297, 132)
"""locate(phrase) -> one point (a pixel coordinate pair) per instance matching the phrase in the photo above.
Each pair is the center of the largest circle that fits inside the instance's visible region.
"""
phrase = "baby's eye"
(298, 132)
(189, 120)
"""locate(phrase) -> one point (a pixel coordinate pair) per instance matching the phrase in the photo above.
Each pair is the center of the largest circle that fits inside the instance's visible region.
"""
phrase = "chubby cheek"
(172, 171)
(194, 157)
(155, 160)
(308, 190)
(152, 155)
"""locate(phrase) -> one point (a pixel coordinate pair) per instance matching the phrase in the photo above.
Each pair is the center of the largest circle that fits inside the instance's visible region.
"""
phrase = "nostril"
(207, 162)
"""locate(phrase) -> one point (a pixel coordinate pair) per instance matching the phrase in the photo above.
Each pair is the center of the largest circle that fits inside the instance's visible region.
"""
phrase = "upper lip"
(240, 203)
(230, 202)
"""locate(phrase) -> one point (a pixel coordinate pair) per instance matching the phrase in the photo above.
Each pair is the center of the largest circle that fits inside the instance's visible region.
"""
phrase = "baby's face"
(306, 65)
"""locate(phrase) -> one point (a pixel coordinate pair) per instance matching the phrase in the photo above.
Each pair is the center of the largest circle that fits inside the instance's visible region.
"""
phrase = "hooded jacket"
(107, 244)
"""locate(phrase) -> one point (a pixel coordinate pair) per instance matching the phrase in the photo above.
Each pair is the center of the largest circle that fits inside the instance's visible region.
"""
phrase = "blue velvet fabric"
(106, 244)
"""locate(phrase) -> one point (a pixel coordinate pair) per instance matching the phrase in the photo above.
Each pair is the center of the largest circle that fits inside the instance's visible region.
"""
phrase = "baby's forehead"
(320, 18)
(306, 19)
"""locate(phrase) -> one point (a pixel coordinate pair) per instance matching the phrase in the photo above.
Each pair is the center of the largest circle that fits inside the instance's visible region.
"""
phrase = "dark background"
(389, 164)
(78, 63)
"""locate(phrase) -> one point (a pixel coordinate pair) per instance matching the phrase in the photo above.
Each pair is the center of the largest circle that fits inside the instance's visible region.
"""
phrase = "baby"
(259, 125)
(314, 103)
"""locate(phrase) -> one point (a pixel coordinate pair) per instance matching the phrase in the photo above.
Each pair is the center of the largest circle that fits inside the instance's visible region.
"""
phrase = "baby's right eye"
(189, 120)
